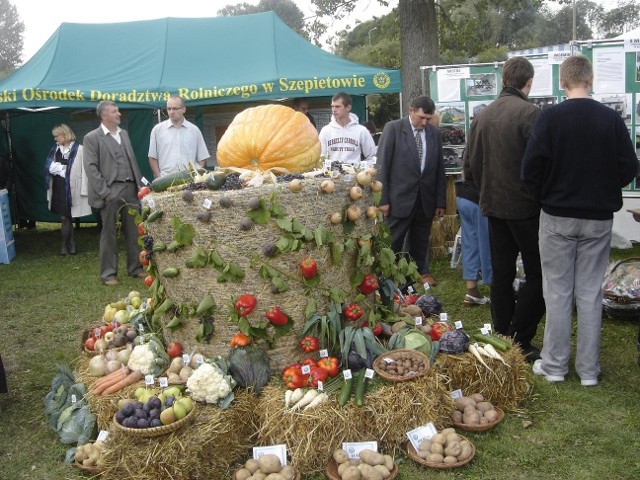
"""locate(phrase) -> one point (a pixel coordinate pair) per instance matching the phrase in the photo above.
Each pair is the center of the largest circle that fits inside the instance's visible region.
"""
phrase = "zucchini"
(155, 215)
(345, 392)
(435, 348)
(177, 178)
(360, 386)
(159, 246)
(170, 272)
(174, 246)
(145, 212)
(497, 343)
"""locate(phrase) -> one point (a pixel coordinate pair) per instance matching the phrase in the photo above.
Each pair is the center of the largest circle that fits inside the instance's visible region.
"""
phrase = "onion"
(123, 356)
(100, 345)
(113, 365)
(98, 366)
(111, 355)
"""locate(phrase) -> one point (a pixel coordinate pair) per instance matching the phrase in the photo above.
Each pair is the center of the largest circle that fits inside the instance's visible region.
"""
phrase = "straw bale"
(450, 208)
(205, 449)
(504, 386)
(223, 235)
(390, 410)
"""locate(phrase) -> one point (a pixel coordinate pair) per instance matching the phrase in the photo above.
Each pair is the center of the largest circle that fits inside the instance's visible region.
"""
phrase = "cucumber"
(145, 212)
(153, 216)
(345, 392)
(361, 387)
(159, 246)
(170, 272)
(174, 246)
(178, 178)
(491, 340)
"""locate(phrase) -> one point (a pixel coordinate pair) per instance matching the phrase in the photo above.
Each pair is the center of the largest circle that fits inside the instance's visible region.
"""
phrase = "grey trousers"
(123, 198)
(574, 254)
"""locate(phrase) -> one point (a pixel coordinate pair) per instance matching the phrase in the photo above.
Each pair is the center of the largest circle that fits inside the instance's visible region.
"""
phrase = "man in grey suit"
(114, 179)
(411, 169)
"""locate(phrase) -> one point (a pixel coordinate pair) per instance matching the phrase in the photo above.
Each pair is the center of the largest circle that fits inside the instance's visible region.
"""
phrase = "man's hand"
(384, 209)
(439, 212)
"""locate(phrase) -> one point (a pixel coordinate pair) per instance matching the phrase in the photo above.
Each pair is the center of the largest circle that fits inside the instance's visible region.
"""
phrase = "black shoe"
(531, 353)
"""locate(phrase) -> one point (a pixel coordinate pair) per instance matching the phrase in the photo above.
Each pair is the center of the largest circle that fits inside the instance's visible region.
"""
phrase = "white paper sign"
(608, 70)
(457, 394)
(484, 331)
(151, 203)
(306, 369)
(418, 320)
(487, 327)
(449, 83)
(542, 84)
(148, 380)
(324, 353)
(418, 435)
(199, 359)
(144, 181)
(632, 44)
(458, 324)
(186, 358)
(327, 164)
(410, 289)
(426, 285)
(347, 374)
(444, 317)
(369, 373)
(102, 436)
(320, 386)
(353, 449)
(279, 450)
(163, 382)
(73, 399)
(207, 203)
(556, 58)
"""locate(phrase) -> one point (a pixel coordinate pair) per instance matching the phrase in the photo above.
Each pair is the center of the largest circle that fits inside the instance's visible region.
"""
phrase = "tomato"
(141, 229)
(438, 328)
(89, 343)
(377, 330)
(148, 280)
(174, 350)
(144, 261)
(143, 192)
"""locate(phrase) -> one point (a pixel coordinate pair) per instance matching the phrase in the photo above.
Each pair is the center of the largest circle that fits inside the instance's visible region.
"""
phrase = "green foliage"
(287, 10)
(11, 42)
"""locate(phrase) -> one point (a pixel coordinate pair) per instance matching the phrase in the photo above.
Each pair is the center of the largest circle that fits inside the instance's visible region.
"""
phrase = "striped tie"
(419, 147)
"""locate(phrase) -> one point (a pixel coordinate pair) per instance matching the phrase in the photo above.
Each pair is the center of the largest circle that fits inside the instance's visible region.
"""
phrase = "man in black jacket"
(496, 143)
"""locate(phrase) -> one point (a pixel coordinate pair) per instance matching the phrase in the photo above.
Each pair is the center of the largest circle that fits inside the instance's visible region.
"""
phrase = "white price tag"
(457, 394)
(141, 328)
(388, 360)
(458, 324)
(410, 289)
(353, 449)
(327, 164)
(418, 320)
(484, 331)
(306, 369)
(369, 373)
(487, 326)
(163, 382)
(73, 399)
(199, 359)
(144, 181)
(279, 450)
(97, 332)
(207, 203)
(418, 435)
(149, 380)
(151, 203)
(347, 374)
(324, 353)
(102, 436)
(444, 317)
(130, 308)
(320, 386)
(186, 358)
(426, 286)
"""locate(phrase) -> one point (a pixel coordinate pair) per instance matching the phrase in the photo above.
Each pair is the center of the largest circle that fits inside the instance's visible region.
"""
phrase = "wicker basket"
(440, 466)
(297, 477)
(480, 428)
(157, 431)
(393, 355)
(332, 471)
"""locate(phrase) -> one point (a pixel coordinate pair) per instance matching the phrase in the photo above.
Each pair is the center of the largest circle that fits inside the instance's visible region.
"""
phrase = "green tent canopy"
(204, 60)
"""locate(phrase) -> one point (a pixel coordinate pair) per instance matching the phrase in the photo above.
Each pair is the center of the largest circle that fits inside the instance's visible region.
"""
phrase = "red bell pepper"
(276, 316)
(438, 328)
(309, 344)
(410, 299)
(245, 304)
(353, 312)
(293, 377)
(369, 284)
(309, 268)
(317, 375)
(239, 340)
(330, 364)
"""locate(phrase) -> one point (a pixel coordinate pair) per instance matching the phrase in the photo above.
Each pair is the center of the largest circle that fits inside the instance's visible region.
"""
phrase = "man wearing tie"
(411, 169)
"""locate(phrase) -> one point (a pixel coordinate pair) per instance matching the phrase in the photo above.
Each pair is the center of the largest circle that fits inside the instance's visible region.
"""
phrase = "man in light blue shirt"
(176, 142)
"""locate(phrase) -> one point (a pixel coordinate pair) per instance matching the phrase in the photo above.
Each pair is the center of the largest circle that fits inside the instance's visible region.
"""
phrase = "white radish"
(490, 349)
(287, 399)
(474, 350)
(296, 395)
(306, 400)
(323, 397)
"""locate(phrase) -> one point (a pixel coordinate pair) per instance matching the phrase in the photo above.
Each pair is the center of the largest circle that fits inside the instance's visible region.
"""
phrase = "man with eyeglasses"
(176, 142)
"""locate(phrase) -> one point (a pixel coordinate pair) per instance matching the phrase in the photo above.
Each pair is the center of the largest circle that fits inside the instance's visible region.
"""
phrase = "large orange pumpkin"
(270, 136)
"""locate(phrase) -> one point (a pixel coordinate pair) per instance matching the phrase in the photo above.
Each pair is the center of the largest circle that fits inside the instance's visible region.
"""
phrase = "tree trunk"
(418, 46)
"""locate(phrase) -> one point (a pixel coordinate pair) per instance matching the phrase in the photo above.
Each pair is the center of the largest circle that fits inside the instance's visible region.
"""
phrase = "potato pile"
(88, 454)
(445, 447)
(178, 372)
(370, 466)
(474, 410)
(401, 364)
(267, 467)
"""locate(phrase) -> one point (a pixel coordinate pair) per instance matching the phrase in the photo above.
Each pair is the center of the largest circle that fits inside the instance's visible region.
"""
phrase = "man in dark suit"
(114, 179)
(411, 169)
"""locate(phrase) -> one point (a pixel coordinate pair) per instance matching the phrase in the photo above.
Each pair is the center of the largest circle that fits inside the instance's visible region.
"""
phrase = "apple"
(132, 294)
(89, 343)
(121, 316)
(174, 350)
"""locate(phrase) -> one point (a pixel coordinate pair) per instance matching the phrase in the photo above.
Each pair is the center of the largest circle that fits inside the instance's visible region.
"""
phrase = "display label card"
(353, 449)
(426, 286)
(327, 164)
(484, 331)
(410, 289)
(73, 399)
(456, 394)
(207, 203)
(320, 386)
(369, 373)
(444, 317)
(418, 435)
(199, 359)
(186, 358)
(163, 382)
(306, 369)
(141, 328)
(279, 450)
(144, 181)
(324, 353)
(97, 332)
(418, 320)
(151, 203)
(487, 326)
(458, 324)
(148, 380)
(347, 374)
(102, 436)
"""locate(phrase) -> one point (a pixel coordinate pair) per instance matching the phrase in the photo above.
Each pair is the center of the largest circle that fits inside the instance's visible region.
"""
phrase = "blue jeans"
(574, 254)
(476, 250)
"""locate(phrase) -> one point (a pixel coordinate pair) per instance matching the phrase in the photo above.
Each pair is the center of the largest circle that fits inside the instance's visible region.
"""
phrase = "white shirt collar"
(107, 131)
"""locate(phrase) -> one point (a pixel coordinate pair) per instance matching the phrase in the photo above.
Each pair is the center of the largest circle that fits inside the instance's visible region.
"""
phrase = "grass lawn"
(562, 431)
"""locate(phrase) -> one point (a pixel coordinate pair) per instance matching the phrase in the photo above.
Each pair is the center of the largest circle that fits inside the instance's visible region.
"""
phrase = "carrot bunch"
(116, 381)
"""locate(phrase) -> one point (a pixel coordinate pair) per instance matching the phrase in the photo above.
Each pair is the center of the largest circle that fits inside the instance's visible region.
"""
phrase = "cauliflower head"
(207, 384)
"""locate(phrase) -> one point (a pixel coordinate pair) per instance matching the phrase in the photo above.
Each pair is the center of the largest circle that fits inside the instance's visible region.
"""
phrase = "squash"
(270, 136)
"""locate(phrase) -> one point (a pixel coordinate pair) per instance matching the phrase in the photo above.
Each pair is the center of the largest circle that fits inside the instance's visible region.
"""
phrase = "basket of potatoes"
(444, 450)
(370, 465)
(474, 414)
(401, 365)
(87, 457)
(267, 467)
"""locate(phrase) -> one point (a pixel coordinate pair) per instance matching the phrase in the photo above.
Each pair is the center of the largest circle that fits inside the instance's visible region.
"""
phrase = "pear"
(119, 305)
(133, 294)
(139, 391)
(109, 312)
(122, 316)
(187, 403)
(167, 416)
(135, 302)
(180, 410)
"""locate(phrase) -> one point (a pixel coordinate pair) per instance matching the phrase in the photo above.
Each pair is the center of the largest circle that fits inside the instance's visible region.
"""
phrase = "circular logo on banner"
(381, 80)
